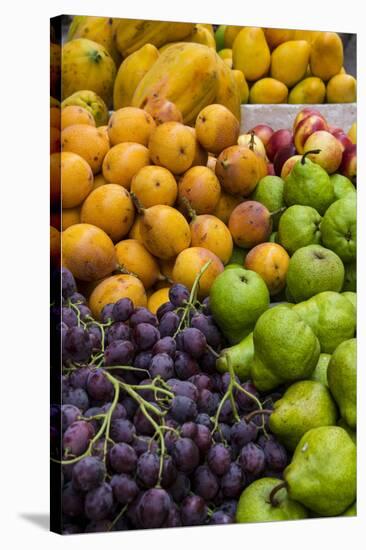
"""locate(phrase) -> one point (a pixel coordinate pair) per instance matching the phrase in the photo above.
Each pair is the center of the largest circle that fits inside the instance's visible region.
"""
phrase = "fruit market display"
(208, 313)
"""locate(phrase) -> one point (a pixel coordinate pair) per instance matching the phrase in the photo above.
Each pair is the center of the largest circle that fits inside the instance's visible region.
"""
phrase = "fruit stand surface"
(341, 115)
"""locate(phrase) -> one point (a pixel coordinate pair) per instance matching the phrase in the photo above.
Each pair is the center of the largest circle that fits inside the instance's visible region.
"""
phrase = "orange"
(154, 185)
(109, 207)
(189, 263)
(130, 124)
(217, 128)
(70, 216)
(88, 252)
(200, 155)
(173, 146)
(123, 161)
(73, 114)
(76, 179)
(133, 256)
(158, 298)
(225, 206)
(86, 141)
(112, 289)
(211, 233)
(201, 188)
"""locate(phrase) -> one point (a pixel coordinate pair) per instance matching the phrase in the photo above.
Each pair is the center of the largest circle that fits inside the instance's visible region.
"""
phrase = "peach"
(348, 165)
(264, 132)
(279, 139)
(330, 155)
(307, 126)
(304, 113)
(289, 164)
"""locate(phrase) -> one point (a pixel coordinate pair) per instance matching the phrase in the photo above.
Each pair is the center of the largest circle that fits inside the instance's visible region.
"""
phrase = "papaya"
(131, 72)
(86, 65)
(191, 76)
(201, 35)
(98, 29)
(326, 58)
(251, 53)
(242, 84)
(131, 34)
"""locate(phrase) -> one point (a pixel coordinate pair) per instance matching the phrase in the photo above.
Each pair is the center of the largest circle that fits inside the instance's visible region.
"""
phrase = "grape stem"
(274, 491)
(118, 516)
(228, 394)
(192, 297)
(253, 414)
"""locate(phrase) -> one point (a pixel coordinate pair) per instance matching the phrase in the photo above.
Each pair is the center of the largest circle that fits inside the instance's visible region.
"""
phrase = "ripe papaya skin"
(131, 34)
(99, 29)
(191, 76)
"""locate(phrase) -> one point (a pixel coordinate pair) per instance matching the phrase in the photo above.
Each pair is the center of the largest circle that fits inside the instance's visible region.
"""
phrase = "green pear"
(342, 186)
(313, 269)
(238, 256)
(232, 266)
(269, 192)
(238, 297)
(352, 297)
(351, 511)
(338, 228)
(350, 277)
(352, 433)
(285, 349)
(331, 316)
(299, 226)
(322, 472)
(342, 374)
(255, 506)
(241, 356)
(308, 184)
(304, 405)
(320, 371)
(273, 238)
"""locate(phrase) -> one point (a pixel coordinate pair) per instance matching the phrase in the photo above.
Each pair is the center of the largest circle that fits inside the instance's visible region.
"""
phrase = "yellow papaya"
(98, 29)
(209, 27)
(131, 34)
(201, 35)
(86, 65)
(228, 92)
(242, 84)
(326, 58)
(131, 72)
(290, 61)
(251, 53)
(186, 75)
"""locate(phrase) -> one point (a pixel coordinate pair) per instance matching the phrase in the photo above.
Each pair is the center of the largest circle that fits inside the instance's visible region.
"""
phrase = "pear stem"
(138, 205)
(191, 212)
(312, 152)
(252, 142)
(251, 415)
(274, 491)
(278, 211)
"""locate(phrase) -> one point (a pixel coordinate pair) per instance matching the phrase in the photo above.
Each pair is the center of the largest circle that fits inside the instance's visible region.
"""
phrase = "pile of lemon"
(287, 66)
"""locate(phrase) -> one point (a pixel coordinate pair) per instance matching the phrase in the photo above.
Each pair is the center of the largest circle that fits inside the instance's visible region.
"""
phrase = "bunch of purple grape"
(150, 437)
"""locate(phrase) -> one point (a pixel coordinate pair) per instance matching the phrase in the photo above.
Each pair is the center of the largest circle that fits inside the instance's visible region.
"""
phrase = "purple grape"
(71, 529)
(232, 483)
(245, 402)
(153, 508)
(229, 507)
(165, 345)
(69, 317)
(145, 336)
(194, 342)
(76, 437)
(93, 411)
(204, 420)
(275, 454)
(219, 459)
(173, 519)
(70, 414)
(88, 473)
(77, 298)
(98, 386)
(208, 327)
(183, 409)
(68, 284)
(206, 306)
(122, 431)
(100, 526)
(186, 454)
(95, 335)
(98, 448)
(75, 396)
(118, 331)
(147, 470)
(193, 510)
(223, 433)
(226, 380)
(99, 502)
(77, 344)
(142, 424)
(252, 459)
(170, 439)
(123, 309)
(180, 488)
(119, 411)
(208, 402)
(202, 381)
(143, 315)
(203, 438)
(189, 429)
(119, 352)
(129, 405)
(147, 394)
(107, 313)
(79, 377)
(169, 474)
(243, 432)
(168, 324)
(84, 312)
(185, 366)
(125, 489)
(164, 308)
(142, 360)
(162, 365)
(122, 458)
(208, 362)
(220, 518)
(183, 387)
(178, 294)
(72, 502)
(142, 443)
(205, 483)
